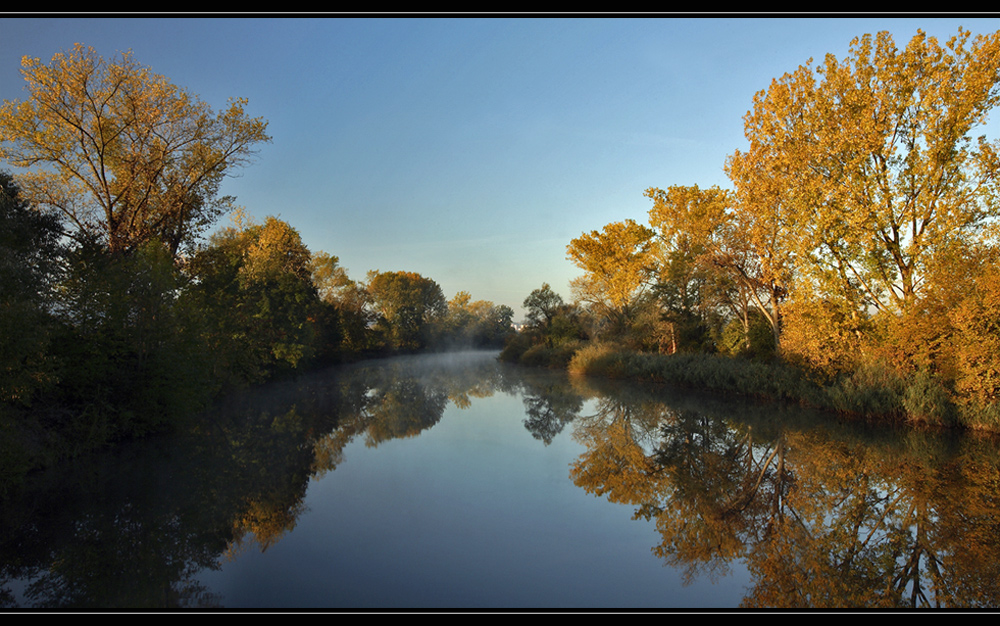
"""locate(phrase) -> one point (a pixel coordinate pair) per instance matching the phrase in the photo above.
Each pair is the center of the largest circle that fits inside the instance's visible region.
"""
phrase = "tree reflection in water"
(822, 517)
(822, 513)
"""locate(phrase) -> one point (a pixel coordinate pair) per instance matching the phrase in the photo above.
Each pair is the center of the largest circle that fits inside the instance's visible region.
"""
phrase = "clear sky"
(470, 149)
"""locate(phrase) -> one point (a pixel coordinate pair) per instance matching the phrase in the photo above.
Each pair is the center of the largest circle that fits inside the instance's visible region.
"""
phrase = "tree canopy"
(122, 153)
(542, 305)
(406, 304)
(861, 227)
(617, 265)
(876, 161)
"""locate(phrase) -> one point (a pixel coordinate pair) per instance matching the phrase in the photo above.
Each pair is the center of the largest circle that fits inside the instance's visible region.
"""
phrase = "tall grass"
(525, 351)
(872, 391)
(769, 379)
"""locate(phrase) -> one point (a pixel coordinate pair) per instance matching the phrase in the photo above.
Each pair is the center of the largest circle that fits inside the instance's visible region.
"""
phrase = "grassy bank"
(871, 392)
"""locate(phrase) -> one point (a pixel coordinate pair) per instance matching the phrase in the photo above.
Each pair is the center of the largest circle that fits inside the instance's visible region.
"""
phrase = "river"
(454, 481)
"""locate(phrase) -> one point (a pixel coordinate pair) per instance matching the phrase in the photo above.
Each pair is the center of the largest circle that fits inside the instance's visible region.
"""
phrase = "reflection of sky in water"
(402, 498)
(473, 512)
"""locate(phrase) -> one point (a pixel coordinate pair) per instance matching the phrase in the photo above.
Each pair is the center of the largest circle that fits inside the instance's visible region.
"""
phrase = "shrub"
(541, 355)
(515, 347)
(593, 359)
(926, 401)
(871, 389)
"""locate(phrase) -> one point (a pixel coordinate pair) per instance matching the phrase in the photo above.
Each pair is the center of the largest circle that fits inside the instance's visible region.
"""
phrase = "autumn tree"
(472, 323)
(457, 326)
(405, 305)
(617, 265)
(329, 277)
(348, 298)
(253, 283)
(974, 345)
(875, 159)
(123, 154)
(494, 323)
(687, 221)
(759, 251)
(719, 253)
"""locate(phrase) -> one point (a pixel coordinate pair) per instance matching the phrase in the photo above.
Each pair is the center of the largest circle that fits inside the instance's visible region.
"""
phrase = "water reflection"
(821, 513)
(822, 517)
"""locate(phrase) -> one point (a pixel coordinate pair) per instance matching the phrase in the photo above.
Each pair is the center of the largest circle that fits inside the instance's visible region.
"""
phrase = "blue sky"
(470, 150)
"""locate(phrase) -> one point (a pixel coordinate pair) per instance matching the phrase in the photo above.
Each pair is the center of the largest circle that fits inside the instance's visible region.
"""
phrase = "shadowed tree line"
(118, 315)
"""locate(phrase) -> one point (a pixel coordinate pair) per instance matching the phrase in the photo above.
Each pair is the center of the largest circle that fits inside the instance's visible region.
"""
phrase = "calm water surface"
(453, 481)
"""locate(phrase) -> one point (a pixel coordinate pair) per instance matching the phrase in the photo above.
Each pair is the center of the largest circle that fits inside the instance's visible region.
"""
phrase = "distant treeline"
(117, 316)
(100, 345)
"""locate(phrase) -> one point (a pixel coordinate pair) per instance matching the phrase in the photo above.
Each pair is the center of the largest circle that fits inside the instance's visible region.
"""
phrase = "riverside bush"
(978, 415)
(541, 355)
(872, 390)
(768, 379)
(595, 359)
(926, 401)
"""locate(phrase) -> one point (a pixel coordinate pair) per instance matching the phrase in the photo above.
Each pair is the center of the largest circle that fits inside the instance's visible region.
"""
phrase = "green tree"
(253, 282)
(30, 265)
(129, 350)
(122, 153)
(542, 305)
(406, 305)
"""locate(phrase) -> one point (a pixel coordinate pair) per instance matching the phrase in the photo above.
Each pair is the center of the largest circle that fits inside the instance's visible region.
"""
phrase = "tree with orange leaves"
(121, 153)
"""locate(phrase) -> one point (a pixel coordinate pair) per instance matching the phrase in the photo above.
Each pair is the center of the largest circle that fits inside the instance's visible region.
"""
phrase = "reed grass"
(872, 391)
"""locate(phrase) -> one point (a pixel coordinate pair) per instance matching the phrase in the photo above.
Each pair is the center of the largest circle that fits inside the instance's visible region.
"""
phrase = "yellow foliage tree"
(737, 239)
(617, 262)
(976, 343)
(121, 152)
(874, 157)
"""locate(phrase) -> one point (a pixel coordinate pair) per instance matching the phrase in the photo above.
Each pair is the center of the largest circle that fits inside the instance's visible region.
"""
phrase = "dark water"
(457, 482)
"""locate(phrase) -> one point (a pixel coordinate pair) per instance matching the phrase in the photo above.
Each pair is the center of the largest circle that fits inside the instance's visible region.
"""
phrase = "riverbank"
(873, 392)
(38, 437)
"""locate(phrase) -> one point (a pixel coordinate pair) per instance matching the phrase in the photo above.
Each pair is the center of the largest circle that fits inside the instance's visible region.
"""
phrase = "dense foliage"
(118, 319)
(101, 345)
(857, 246)
(854, 263)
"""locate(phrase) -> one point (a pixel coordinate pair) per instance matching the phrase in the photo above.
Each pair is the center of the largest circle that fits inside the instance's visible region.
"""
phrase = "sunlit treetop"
(876, 161)
(123, 154)
(616, 260)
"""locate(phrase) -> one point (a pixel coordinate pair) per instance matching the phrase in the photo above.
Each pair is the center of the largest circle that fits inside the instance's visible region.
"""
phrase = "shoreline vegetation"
(875, 393)
(121, 314)
(853, 265)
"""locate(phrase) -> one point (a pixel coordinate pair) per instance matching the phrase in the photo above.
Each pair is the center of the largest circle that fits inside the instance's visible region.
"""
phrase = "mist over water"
(456, 481)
